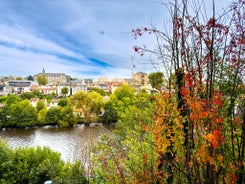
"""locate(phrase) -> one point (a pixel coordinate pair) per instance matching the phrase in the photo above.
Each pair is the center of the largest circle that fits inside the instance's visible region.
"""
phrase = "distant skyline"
(82, 38)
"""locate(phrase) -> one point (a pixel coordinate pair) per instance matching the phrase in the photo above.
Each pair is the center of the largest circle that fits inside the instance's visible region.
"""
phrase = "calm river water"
(73, 143)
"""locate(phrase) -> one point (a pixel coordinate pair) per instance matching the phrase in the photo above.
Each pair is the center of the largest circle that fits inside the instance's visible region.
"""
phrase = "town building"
(141, 78)
(88, 82)
(17, 86)
(54, 78)
(50, 89)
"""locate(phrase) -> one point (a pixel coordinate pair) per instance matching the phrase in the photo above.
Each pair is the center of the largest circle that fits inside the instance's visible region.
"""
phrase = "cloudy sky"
(82, 38)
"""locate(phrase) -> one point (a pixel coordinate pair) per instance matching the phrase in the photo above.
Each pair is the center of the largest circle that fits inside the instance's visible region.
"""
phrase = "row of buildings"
(57, 81)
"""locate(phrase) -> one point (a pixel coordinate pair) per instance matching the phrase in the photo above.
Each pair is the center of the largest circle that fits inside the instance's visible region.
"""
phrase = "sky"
(81, 38)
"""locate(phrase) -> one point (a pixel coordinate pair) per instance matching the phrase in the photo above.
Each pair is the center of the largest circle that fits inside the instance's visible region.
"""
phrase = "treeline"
(37, 165)
(19, 112)
(82, 107)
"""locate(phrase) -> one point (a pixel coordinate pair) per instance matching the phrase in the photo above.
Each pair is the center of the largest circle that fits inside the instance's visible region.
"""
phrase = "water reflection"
(73, 143)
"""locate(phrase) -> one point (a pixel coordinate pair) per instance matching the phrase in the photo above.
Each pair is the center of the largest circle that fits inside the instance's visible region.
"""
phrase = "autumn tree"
(196, 128)
(90, 103)
(206, 55)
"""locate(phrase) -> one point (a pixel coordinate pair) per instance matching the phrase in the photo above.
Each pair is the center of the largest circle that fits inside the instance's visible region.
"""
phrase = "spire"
(43, 71)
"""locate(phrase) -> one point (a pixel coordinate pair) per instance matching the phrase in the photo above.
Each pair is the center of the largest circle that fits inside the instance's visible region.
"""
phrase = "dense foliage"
(42, 79)
(37, 165)
(17, 112)
(90, 104)
(196, 133)
(156, 79)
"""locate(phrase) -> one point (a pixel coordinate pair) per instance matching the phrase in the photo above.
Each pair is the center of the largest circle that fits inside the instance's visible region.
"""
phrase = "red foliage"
(234, 177)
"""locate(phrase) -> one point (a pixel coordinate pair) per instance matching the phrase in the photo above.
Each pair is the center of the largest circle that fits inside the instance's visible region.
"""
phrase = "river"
(73, 143)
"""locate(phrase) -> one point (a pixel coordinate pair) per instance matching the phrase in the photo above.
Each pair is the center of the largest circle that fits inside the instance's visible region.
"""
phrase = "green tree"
(22, 114)
(98, 90)
(90, 104)
(61, 116)
(40, 105)
(41, 116)
(36, 165)
(110, 114)
(36, 93)
(19, 78)
(42, 80)
(54, 114)
(72, 173)
(156, 80)
(30, 77)
(2, 99)
(63, 102)
(26, 95)
(64, 91)
(68, 118)
(122, 99)
(11, 99)
(3, 117)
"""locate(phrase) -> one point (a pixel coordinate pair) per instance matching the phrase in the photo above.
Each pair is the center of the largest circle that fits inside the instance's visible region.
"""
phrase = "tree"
(19, 78)
(63, 102)
(61, 115)
(41, 116)
(204, 55)
(128, 155)
(36, 93)
(11, 99)
(42, 80)
(110, 114)
(68, 118)
(90, 104)
(26, 95)
(64, 91)
(53, 116)
(98, 90)
(22, 114)
(156, 79)
(40, 105)
(121, 100)
(30, 77)
(36, 165)
(195, 132)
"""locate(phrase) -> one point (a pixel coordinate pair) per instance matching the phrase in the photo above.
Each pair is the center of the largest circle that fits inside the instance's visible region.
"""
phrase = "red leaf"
(184, 92)
(234, 177)
(242, 41)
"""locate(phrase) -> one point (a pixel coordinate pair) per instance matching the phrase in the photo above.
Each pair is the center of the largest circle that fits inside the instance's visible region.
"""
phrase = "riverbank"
(73, 143)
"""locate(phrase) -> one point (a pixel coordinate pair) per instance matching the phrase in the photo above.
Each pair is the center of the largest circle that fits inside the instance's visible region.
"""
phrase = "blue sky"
(82, 38)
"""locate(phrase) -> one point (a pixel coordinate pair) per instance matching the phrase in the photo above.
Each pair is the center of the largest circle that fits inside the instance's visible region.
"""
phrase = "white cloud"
(36, 34)
(22, 38)
(18, 62)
